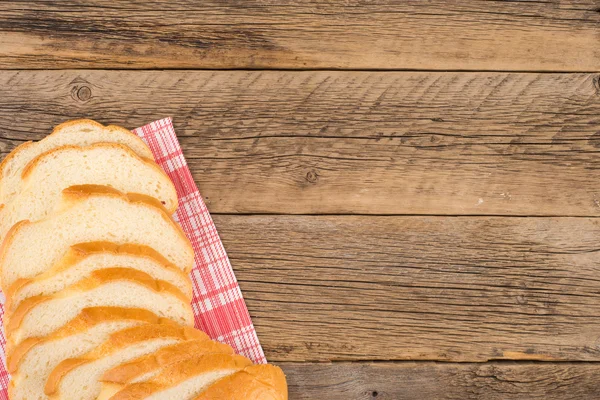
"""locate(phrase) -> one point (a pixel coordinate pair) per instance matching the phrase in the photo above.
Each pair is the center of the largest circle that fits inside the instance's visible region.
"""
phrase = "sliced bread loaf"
(82, 132)
(113, 287)
(90, 213)
(185, 379)
(31, 362)
(84, 258)
(258, 382)
(147, 367)
(110, 164)
(78, 378)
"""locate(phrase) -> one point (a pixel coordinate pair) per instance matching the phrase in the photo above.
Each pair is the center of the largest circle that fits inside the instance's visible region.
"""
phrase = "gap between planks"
(377, 70)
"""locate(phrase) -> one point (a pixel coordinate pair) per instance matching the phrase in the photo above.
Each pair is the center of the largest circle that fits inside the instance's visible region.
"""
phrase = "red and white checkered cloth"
(219, 308)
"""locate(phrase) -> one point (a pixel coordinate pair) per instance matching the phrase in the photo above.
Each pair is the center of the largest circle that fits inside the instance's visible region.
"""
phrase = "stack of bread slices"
(95, 274)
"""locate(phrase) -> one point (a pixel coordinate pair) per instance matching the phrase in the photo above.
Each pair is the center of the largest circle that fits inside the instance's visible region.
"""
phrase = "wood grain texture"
(424, 381)
(552, 35)
(325, 288)
(347, 142)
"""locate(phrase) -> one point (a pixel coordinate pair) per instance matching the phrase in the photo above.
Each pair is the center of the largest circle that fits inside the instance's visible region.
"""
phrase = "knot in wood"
(595, 140)
(312, 176)
(84, 93)
(597, 84)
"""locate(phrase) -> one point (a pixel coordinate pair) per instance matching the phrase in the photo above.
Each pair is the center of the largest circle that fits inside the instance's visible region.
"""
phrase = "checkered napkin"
(219, 308)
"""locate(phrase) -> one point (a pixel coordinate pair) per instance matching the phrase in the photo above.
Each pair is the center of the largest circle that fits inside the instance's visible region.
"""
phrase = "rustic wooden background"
(408, 190)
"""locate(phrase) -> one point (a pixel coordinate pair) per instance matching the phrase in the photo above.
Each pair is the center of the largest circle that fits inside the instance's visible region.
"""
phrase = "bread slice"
(110, 164)
(90, 213)
(82, 132)
(113, 287)
(31, 362)
(147, 367)
(185, 379)
(78, 378)
(84, 258)
(258, 382)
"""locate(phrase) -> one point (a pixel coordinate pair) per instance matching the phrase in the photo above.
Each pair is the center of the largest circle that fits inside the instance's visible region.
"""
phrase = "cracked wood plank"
(552, 35)
(347, 142)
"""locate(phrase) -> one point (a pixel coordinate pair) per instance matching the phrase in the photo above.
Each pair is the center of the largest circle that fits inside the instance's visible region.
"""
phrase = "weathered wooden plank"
(419, 381)
(553, 35)
(347, 142)
(419, 288)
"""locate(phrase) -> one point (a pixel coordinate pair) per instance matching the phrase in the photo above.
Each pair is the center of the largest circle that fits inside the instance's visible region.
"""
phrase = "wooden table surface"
(408, 191)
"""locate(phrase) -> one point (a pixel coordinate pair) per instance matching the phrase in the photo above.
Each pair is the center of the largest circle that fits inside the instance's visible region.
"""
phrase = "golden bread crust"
(82, 192)
(180, 372)
(30, 167)
(58, 128)
(96, 279)
(107, 128)
(87, 318)
(127, 372)
(8, 239)
(11, 155)
(80, 251)
(120, 340)
(258, 382)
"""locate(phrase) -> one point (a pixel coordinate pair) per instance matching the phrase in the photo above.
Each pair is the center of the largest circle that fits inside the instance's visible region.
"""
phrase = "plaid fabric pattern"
(4, 376)
(219, 308)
